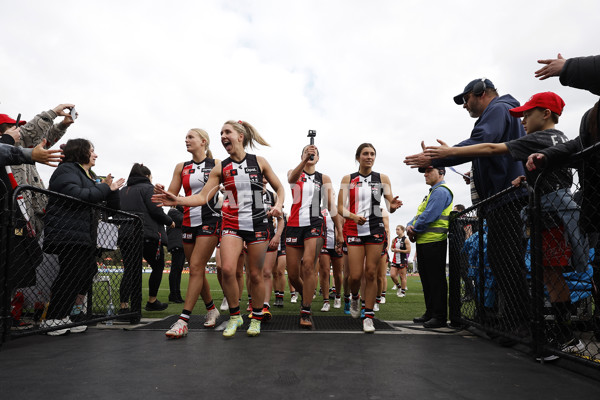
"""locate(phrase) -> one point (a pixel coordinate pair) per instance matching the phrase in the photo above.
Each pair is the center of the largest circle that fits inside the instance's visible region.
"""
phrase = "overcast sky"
(142, 73)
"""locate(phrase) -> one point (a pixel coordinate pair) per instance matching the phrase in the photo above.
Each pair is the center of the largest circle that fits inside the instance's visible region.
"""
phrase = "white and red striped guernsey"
(243, 207)
(365, 194)
(306, 200)
(193, 177)
(399, 244)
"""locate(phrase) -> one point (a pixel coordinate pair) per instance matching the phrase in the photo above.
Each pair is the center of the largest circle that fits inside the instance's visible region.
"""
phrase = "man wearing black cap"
(491, 175)
(429, 228)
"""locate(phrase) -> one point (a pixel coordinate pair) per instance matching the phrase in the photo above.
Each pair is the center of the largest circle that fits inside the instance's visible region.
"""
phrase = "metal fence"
(67, 273)
(523, 266)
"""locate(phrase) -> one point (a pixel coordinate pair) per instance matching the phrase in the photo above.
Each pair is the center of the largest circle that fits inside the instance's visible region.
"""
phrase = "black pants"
(432, 271)
(155, 257)
(77, 270)
(177, 261)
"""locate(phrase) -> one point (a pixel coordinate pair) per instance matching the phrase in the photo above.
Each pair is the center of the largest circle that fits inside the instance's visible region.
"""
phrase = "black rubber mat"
(278, 323)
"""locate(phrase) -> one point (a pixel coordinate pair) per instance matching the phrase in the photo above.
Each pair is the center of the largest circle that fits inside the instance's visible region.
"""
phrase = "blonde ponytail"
(251, 135)
(204, 135)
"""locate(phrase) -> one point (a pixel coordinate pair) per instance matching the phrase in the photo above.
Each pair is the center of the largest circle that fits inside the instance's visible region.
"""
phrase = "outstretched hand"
(395, 204)
(535, 161)
(48, 157)
(163, 198)
(441, 151)
(552, 68)
(419, 160)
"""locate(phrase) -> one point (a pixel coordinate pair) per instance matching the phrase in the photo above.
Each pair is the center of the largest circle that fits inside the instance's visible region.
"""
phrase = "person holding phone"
(244, 216)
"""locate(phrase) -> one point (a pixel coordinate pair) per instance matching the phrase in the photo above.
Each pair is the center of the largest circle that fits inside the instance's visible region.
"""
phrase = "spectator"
(136, 197)
(70, 229)
(429, 228)
(490, 176)
(540, 114)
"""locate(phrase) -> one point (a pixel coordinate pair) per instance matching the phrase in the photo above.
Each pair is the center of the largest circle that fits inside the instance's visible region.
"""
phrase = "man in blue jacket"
(491, 175)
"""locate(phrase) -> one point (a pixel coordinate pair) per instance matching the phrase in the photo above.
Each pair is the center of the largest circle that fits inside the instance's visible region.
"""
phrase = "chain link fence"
(67, 272)
(523, 266)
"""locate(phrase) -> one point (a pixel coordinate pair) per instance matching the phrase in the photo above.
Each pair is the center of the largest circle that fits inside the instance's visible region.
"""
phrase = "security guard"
(429, 228)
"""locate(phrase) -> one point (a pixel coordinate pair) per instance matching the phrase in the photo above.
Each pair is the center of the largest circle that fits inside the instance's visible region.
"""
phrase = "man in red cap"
(540, 115)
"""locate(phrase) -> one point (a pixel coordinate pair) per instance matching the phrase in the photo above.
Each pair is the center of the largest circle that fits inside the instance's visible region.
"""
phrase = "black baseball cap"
(458, 99)
(441, 169)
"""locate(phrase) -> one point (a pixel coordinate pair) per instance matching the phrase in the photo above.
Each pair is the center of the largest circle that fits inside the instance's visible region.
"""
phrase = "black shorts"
(296, 235)
(399, 266)
(332, 253)
(190, 233)
(362, 240)
(247, 236)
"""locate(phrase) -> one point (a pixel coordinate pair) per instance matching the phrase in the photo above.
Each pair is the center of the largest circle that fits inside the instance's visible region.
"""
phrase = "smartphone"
(18, 120)
(73, 113)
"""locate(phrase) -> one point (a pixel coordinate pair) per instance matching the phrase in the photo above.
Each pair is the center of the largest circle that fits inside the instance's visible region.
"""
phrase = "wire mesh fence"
(523, 266)
(63, 269)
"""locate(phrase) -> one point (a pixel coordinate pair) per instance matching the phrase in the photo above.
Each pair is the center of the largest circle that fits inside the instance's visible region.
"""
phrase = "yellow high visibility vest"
(438, 229)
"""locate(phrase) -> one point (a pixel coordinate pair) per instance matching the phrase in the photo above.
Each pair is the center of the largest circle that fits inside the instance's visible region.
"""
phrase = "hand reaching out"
(48, 157)
(552, 68)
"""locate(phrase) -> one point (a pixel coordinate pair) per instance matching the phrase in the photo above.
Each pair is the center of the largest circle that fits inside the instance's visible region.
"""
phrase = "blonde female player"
(359, 200)
(244, 217)
(200, 228)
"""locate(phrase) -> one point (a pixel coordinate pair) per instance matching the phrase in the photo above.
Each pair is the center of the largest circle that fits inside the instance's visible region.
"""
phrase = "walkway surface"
(406, 362)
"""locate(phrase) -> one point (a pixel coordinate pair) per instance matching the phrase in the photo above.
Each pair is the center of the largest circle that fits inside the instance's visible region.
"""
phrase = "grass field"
(395, 308)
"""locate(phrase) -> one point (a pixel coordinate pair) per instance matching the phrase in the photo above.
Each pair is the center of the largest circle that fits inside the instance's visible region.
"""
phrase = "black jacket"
(136, 198)
(174, 234)
(582, 73)
(69, 223)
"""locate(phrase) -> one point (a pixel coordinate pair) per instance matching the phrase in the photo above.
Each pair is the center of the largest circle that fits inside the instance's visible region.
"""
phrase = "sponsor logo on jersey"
(291, 240)
(230, 172)
(229, 232)
(206, 170)
(260, 235)
(353, 239)
(187, 236)
(207, 228)
(249, 170)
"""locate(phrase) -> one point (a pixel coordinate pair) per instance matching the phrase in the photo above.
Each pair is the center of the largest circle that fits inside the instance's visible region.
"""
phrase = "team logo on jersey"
(250, 170)
(207, 228)
(377, 236)
(314, 230)
(254, 178)
(260, 235)
(230, 173)
(303, 179)
(291, 240)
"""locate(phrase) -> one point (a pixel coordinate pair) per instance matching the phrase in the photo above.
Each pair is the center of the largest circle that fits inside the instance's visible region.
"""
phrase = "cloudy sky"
(142, 73)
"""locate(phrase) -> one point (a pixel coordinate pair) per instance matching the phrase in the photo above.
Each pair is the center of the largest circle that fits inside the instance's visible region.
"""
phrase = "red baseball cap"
(544, 100)
(5, 119)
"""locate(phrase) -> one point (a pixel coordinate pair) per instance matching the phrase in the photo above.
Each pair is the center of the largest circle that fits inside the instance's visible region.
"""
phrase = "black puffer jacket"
(174, 234)
(67, 223)
(136, 198)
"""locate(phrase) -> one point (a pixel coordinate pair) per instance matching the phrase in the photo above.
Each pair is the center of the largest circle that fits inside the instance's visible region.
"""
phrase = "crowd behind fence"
(34, 284)
(523, 265)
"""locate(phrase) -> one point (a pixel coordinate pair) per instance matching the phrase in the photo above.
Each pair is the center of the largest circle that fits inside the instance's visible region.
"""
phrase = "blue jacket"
(492, 174)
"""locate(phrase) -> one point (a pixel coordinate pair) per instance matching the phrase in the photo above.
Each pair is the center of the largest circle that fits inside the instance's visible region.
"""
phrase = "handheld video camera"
(311, 135)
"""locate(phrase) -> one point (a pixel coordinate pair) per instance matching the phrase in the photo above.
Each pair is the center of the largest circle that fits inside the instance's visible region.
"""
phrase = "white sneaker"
(376, 307)
(326, 307)
(50, 323)
(382, 300)
(294, 298)
(400, 293)
(368, 326)
(224, 305)
(354, 308)
(178, 330)
(337, 303)
(211, 318)
(394, 287)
